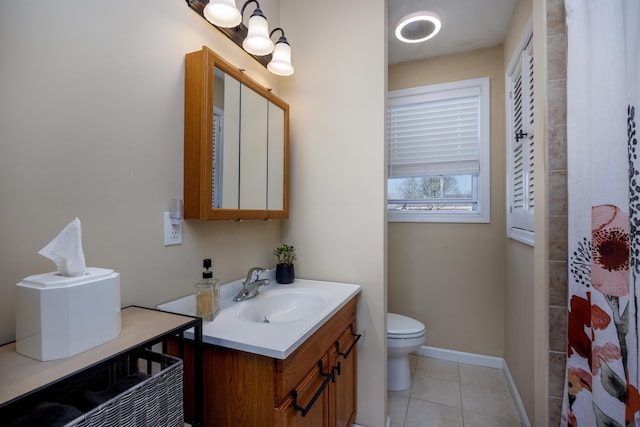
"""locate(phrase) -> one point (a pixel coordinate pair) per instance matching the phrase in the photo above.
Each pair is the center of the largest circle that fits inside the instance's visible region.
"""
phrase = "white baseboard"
(516, 396)
(480, 360)
(460, 356)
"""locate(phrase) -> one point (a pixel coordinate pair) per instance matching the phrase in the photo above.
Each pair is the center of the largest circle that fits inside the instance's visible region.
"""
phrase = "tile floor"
(451, 394)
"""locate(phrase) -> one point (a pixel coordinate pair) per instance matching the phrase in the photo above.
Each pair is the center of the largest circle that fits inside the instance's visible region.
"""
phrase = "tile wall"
(557, 213)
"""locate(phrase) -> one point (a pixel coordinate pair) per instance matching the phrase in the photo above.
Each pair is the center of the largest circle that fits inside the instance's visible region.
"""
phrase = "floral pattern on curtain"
(603, 93)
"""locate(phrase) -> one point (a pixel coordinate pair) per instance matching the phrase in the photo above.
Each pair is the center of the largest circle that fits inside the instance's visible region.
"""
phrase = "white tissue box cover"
(58, 317)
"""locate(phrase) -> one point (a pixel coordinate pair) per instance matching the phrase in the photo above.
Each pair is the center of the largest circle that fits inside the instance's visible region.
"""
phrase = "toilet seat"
(403, 327)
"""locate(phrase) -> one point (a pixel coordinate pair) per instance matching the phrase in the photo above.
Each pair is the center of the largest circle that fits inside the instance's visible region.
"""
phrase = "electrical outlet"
(172, 233)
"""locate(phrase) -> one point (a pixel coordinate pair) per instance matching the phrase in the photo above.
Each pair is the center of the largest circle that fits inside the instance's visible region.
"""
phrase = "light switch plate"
(172, 233)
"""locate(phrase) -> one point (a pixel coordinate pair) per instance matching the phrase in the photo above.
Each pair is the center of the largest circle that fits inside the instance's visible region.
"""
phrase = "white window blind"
(521, 185)
(435, 136)
(439, 134)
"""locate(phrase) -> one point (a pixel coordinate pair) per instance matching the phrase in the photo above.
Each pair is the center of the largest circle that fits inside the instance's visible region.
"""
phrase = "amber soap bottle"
(207, 294)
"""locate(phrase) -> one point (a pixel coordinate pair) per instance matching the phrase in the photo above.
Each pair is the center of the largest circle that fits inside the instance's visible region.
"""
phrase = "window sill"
(522, 236)
(451, 217)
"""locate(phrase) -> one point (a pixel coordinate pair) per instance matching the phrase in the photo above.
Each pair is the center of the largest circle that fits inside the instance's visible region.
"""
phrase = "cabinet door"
(315, 384)
(226, 143)
(343, 391)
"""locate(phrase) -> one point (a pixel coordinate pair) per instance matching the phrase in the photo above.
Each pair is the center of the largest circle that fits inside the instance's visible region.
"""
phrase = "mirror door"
(253, 150)
(275, 158)
(226, 142)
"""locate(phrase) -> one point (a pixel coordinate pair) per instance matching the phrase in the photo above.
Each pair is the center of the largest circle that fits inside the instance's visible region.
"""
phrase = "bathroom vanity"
(298, 369)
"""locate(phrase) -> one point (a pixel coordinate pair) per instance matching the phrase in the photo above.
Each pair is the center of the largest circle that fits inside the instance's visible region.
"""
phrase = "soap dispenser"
(207, 293)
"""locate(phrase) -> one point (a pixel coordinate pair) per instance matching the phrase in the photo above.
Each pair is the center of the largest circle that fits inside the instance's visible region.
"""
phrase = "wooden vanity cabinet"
(246, 389)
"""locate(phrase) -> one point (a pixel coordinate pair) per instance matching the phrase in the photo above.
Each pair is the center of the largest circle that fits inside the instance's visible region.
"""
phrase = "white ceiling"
(466, 25)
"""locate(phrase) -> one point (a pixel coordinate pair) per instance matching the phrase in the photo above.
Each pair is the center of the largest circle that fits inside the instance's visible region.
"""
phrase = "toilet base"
(398, 373)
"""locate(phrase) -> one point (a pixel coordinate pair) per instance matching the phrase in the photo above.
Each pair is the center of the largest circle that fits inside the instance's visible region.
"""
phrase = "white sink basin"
(294, 312)
(281, 306)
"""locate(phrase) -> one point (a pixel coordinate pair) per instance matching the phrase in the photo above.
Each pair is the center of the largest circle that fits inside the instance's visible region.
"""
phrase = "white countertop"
(276, 340)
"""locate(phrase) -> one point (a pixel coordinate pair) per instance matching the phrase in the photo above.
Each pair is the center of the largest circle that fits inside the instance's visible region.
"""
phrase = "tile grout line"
(460, 386)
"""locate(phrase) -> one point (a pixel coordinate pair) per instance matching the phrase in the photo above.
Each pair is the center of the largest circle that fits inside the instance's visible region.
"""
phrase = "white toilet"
(404, 335)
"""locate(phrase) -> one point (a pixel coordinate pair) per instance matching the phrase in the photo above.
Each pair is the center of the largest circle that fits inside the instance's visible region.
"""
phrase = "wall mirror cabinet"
(236, 144)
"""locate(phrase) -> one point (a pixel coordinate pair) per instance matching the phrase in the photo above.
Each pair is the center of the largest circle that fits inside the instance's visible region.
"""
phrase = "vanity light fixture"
(418, 27)
(254, 38)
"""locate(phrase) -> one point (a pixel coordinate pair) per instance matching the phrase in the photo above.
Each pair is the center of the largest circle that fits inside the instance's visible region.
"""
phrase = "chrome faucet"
(251, 284)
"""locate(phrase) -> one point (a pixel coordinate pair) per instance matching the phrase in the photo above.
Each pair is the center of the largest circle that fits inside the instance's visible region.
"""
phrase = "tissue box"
(58, 316)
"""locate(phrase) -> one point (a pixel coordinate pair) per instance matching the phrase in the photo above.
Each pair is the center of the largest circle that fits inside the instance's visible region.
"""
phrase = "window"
(438, 160)
(520, 158)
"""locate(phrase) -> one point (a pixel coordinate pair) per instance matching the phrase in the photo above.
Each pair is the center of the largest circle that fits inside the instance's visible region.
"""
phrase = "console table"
(23, 379)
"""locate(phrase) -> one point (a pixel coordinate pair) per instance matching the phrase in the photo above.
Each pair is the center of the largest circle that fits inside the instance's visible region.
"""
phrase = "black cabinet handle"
(353, 344)
(333, 371)
(294, 393)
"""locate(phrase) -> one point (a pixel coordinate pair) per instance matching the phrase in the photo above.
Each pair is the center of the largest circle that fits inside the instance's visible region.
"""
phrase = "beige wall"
(519, 277)
(91, 125)
(451, 276)
(337, 222)
(519, 327)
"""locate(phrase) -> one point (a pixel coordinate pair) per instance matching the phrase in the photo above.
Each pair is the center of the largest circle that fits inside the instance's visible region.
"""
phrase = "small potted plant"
(284, 269)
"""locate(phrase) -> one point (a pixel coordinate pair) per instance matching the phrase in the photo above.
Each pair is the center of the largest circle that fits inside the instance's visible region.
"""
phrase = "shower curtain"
(603, 97)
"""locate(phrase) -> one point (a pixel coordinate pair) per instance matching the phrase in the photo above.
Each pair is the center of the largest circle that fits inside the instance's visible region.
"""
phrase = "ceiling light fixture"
(418, 27)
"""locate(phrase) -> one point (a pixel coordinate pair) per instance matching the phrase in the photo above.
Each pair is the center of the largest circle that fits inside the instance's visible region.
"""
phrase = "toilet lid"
(399, 325)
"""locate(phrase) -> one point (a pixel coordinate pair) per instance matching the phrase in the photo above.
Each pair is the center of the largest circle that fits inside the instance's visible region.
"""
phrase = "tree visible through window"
(431, 192)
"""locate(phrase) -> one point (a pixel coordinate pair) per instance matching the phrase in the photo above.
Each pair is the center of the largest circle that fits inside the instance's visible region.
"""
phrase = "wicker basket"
(140, 390)
(156, 401)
